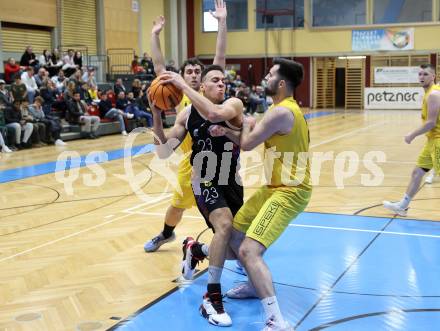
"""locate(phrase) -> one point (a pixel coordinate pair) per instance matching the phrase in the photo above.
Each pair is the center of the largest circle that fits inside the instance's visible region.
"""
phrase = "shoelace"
(156, 239)
(217, 302)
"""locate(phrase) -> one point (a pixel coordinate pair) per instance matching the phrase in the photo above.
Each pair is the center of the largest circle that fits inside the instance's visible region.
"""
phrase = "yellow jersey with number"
(286, 161)
(186, 144)
(435, 132)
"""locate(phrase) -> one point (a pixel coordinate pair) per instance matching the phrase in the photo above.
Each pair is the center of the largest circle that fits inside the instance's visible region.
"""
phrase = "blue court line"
(10, 175)
(13, 174)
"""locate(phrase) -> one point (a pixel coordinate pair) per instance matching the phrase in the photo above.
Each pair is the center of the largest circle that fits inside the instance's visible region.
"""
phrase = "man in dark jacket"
(77, 114)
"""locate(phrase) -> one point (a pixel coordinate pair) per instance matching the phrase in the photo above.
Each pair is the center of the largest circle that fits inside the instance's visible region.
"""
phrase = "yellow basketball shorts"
(186, 199)
(429, 158)
(268, 212)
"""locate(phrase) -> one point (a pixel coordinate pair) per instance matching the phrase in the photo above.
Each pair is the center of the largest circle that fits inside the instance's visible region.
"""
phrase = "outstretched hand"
(158, 25)
(169, 77)
(220, 10)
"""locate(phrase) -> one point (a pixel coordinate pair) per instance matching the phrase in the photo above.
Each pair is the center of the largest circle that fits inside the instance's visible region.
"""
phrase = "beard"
(269, 91)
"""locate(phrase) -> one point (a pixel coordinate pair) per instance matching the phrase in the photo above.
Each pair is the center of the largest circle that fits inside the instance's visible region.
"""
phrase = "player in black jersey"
(216, 183)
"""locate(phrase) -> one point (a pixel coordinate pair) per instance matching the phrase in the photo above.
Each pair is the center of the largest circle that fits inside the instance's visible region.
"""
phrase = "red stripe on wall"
(190, 27)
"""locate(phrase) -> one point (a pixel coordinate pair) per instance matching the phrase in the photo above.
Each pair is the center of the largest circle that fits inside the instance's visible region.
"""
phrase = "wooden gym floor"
(76, 261)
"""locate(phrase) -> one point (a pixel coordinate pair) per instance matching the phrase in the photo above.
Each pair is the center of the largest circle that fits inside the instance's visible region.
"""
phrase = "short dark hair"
(193, 61)
(211, 67)
(291, 71)
(428, 66)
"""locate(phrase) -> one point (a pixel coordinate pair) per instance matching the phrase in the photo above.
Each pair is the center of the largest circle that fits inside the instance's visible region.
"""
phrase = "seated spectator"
(52, 123)
(55, 63)
(45, 58)
(60, 81)
(257, 97)
(49, 94)
(28, 79)
(133, 108)
(107, 111)
(84, 94)
(38, 136)
(136, 87)
(136, 68)
(29, 59)
(89, 76)
(93, 92)
(119, 86)
(121, 101)
(6, 99)
(77, 114)
(13, 120)
(242, 93)
(41, 76)
(18, 90)
(77, 59)
(71, 88)
(4, 148)
(69, 66)
(147, 64)
(171, 66)
(77, 77)
(11, 69)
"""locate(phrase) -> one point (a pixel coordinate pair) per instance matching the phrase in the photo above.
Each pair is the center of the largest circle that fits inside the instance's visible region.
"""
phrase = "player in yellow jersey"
(264, 217)
(429, 158)
(191, 71)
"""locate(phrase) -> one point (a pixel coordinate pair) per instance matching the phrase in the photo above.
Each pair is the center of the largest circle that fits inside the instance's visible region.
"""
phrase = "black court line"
(141, 310)
(326, 292)
(356, 317)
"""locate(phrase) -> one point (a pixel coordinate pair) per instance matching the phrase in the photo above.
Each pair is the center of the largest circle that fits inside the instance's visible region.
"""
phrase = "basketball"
(164, 96)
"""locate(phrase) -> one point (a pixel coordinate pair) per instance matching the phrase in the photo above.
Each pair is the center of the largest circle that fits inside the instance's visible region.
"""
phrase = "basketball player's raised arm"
(220, 15)
(167, 143)
(277, 121)
(431, 121)
(156, 52)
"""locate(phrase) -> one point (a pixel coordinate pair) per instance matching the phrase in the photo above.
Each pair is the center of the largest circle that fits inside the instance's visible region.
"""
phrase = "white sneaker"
(189, 262)
(59, 142)
(212, 309)
(5, 149)
(430, 177)
(395, 208)
(272, 326)
(130, 116)
(242, 291)
(124, 133)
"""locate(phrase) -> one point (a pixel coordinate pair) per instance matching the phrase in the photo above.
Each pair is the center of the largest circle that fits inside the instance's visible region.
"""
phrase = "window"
(237, 15)
(402, 11)
(338, 12)
(280, 14)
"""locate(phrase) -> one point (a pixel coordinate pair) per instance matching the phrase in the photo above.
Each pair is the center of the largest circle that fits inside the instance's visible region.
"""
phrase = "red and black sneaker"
(212, 309)
(189, 261)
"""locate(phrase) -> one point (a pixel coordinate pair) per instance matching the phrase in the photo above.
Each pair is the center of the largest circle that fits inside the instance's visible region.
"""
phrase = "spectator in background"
(69, 66)
(60, 81)
(52, 124)
(28, 79)
(77, 77)
(55, 63)
(77, 114)
(28, 58)
(121, 101)
(171, 66)
(45, 58)
(133, 108)
(84, 94)
(119, 87)
(41, 76)
(107, 111)
(39, 128)
(11, 69)
(135, 67)
(136, 87)
(70, 90)
(14, 120)
(147, 64)
(77, 59)
(94, 93)
(257, 97)
(89, 76)
(18, 90)
(6, 100)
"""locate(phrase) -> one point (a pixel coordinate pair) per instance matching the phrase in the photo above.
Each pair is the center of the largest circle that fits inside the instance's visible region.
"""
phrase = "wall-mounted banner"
(396, 75)
(393, 97)
(382, 40)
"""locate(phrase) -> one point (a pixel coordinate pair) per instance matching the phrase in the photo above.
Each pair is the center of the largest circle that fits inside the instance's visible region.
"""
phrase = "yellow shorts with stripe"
(429, 158)
(186, 199)
(268, 212)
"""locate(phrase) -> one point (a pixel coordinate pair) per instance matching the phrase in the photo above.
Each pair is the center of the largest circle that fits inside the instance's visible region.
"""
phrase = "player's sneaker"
(154, 244)
(429, 179)
(395, 208)
(272, 326)
(212, 309)
(242, 291)
(189, 261)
